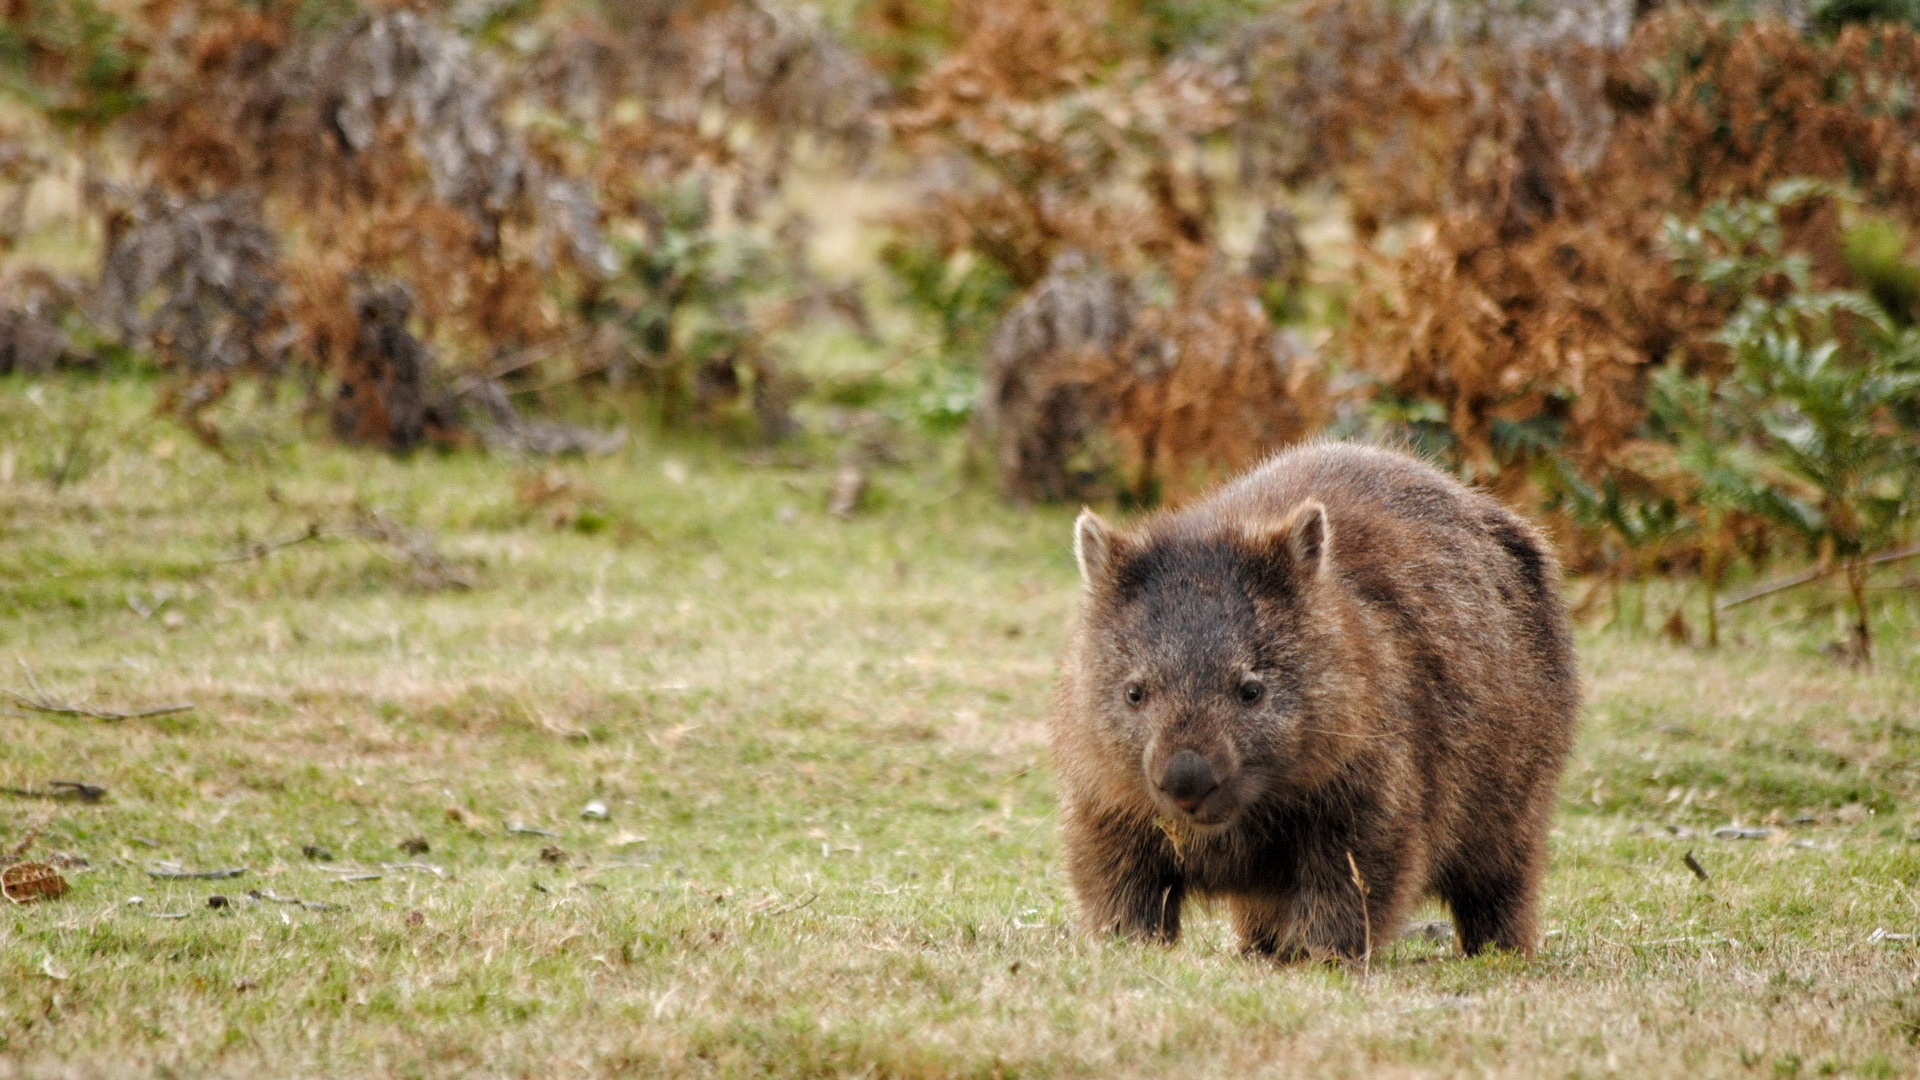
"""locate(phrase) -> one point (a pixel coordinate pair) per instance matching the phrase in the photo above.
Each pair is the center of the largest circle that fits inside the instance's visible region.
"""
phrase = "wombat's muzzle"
(1187, 780)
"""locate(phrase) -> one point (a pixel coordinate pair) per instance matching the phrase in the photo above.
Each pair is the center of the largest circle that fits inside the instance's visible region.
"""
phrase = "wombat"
(1340, 683)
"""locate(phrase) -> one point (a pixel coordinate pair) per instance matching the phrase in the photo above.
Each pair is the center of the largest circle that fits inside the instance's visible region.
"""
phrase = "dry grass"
(831, 847)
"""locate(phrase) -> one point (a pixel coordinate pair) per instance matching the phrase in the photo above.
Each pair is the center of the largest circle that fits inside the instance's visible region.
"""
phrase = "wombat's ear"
(1308, 535)
(1094, 545)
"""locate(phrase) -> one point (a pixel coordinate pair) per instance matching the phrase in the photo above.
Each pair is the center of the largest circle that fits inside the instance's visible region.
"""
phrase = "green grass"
(831, 849)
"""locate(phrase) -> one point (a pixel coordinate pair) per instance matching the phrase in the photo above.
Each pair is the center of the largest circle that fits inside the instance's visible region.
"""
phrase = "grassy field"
(829, 847)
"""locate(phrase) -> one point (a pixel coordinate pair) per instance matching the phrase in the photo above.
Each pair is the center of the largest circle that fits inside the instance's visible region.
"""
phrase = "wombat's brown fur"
(1333, 686)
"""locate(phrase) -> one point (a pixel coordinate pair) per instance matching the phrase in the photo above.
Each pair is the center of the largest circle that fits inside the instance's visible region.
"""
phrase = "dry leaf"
(26, 882)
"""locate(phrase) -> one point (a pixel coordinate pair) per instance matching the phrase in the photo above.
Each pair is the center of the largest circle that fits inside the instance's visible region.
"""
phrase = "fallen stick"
(1809, 576)
(260, 549)
(61, 709)
(61, 789)
(166, 872)
(38, 701)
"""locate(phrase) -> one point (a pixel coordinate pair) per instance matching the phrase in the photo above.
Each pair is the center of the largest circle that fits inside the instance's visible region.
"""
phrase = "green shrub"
(1811, 422)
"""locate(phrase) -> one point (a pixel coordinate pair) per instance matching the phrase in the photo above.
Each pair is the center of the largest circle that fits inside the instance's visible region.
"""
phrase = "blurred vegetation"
(1647, 269)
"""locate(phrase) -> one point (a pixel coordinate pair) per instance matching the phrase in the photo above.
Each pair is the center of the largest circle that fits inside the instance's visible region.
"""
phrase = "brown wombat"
(1333, 686)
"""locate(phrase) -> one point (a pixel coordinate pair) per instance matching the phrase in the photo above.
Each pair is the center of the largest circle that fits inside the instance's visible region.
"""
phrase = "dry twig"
(26, 842)
(38, 701)
(173, 872)
(260, 549)
(61, 789)
(1693, 864)
(1810, 576)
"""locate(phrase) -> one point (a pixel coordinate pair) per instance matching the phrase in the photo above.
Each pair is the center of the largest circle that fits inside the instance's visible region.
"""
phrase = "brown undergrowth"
(429, 204)
(1510, 188)
(1139, 356)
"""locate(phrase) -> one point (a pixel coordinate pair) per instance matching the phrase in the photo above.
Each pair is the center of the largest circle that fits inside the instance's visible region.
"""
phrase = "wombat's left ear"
(1094, 545)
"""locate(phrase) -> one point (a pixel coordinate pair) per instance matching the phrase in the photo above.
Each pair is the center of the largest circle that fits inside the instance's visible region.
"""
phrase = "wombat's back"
(1416, 545)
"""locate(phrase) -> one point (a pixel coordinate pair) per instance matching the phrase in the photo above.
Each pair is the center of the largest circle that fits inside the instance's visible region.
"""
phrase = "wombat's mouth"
(1211, 822)
(1183, 829)
(1211, 815)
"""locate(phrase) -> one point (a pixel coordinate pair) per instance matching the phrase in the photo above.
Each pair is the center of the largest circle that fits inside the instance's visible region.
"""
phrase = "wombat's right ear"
(1094, 544)
(1308, 535)
(1300, 540)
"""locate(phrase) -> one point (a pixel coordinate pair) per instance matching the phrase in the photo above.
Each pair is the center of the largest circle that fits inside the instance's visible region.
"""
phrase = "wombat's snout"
(1187, 781)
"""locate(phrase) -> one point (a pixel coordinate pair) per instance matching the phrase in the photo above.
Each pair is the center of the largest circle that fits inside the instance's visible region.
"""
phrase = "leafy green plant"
(1875, 250)
(1714, 474)
(72, 61)
(1637, 526)
(1811, 423)
(961, 296)
(679, 301)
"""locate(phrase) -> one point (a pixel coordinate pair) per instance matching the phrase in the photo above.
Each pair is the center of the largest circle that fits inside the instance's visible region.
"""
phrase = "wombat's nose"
(1188, 780)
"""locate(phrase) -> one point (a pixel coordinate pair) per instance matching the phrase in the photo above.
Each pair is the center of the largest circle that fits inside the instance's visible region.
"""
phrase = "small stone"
(216, 902)
(316, 853)
(551, 854)
(595, 811)
(415, 845)
(849, 488)
(1438, 931)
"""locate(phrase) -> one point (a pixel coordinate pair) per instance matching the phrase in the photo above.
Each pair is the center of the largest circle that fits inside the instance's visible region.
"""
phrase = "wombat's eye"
(1135, 693)
(1250, 691)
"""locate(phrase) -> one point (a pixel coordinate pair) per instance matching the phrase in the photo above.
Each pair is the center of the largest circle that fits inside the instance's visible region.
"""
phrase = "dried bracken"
(1054, 148)
(383, 146)
(384, 152)
(1134, 359)
(1044, 392)
(198, 281)
(1510, 173)
(775, 66)
(36, 307)
(1207, 385)
(1088, 388)
(350, 120)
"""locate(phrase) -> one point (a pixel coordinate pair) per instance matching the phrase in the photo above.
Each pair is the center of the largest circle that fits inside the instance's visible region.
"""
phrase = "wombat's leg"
(1341, 918)
(1125, 878)
(1267, 927)
(1492, 905)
